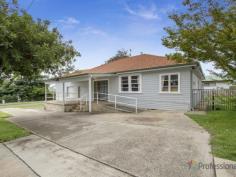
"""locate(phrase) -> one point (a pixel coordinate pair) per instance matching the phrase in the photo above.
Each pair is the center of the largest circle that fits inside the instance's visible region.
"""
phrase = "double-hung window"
(124, 84)
(135, 85)
(130, 83)
(170, 83)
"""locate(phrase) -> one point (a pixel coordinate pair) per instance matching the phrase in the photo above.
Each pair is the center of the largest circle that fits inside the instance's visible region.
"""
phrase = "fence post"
(115, 101)
(97, 97)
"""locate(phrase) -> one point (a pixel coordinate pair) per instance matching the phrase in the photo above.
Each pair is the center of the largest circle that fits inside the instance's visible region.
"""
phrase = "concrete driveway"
(148, 144)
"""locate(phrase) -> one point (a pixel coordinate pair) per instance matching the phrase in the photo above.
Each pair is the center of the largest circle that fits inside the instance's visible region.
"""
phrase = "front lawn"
(222, 126)
(26, 105)
(8, 130)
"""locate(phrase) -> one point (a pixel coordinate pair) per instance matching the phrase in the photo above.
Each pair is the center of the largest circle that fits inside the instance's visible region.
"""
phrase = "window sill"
(130, 92)
(170, 93)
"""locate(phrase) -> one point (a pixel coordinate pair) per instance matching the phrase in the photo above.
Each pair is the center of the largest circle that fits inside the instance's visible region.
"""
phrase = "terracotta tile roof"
(143, 61)
(138, 62)
(76, 73)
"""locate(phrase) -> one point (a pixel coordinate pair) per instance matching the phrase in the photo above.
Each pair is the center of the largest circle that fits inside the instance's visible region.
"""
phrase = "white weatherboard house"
(142, 81)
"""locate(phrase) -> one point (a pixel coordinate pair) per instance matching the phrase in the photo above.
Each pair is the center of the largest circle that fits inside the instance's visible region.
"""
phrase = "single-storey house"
(217, 84)
(143, 81)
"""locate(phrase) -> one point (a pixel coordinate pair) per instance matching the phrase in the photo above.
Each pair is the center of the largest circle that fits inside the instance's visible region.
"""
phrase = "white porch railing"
(118, 99)
(67, 100)
(81, 100)
(77, 100)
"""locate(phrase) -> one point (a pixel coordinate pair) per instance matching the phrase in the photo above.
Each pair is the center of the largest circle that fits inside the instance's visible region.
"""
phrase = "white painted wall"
(150, 97)
(72, 87)
(197, 82)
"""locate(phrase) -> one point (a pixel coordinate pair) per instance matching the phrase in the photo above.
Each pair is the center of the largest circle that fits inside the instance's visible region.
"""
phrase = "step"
(120, 109)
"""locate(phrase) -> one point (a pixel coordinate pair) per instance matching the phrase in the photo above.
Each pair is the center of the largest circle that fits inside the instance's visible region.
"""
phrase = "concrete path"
(50, 160)
(12, 166)
(228, 171)
(148, 144)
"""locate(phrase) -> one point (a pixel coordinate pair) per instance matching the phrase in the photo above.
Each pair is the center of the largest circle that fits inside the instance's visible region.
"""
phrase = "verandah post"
(90, 94)
(63, 92)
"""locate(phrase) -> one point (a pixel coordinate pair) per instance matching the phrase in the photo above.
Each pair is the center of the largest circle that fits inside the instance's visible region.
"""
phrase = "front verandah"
(82, 91)
(76, 91)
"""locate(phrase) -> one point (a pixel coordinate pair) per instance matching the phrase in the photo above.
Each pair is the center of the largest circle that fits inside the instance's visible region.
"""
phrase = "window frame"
(120, 82)
(169, 83)
(130, 84)
(68, 94)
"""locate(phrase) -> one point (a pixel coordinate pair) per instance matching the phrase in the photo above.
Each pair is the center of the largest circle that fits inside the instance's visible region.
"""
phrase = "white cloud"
(92, 30)
(69, 21)
(145, 12)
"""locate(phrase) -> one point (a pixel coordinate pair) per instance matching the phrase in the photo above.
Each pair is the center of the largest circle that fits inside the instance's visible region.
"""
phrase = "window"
(69, 91)
(170, 83)
(125, 84)
(174, 83)
(165, 83)
(79, 92)
(130, 84)
(135, 83)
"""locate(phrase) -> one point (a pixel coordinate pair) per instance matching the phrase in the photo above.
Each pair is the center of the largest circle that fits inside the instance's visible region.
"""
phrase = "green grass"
(26, 105)
(8, 130)
(222, 126)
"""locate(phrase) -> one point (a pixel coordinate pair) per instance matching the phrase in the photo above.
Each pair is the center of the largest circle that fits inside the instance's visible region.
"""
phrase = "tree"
(205, 31)
(27, 46)
(18, 88)
(122, 53)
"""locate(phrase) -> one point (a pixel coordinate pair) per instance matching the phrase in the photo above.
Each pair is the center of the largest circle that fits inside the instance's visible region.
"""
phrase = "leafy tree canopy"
(205, 31)
(28, 47)
(18, 89)
(122, 53)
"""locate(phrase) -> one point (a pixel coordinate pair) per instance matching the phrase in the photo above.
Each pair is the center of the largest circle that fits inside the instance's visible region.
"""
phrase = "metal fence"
(215, 99)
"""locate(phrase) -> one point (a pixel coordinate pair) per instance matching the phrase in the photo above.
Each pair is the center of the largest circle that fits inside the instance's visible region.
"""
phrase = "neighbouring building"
(217, 84)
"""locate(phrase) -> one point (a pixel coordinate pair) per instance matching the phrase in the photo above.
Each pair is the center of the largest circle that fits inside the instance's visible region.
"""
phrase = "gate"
(210, 100)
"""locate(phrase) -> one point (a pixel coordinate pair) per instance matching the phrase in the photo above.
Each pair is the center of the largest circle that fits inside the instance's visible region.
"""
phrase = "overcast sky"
(98, 28)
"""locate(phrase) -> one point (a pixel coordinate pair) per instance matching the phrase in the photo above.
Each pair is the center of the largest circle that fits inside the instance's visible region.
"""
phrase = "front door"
(101, 87)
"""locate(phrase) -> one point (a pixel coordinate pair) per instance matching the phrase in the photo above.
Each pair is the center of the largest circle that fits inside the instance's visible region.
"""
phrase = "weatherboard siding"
(197, 82)
(73, 91)
(151, 98)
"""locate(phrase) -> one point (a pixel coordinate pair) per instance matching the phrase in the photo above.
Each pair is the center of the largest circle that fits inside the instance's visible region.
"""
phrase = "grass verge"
(222, 127)
(8, 130)
(26, 105)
